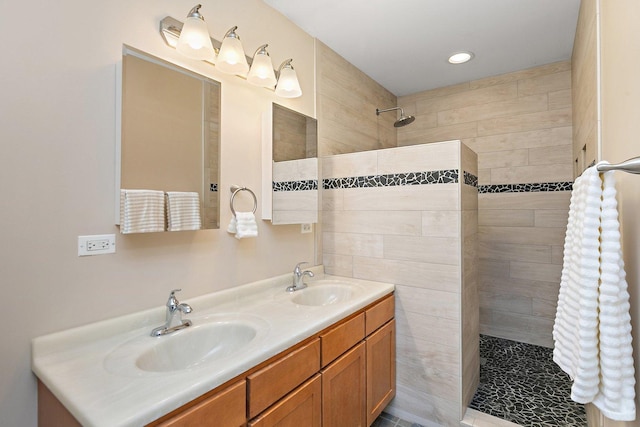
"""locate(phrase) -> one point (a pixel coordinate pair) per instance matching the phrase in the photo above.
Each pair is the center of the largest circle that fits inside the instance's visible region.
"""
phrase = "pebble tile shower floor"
(520, 383)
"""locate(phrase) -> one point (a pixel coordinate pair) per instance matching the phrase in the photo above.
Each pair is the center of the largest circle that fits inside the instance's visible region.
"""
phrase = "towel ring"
(235, 190)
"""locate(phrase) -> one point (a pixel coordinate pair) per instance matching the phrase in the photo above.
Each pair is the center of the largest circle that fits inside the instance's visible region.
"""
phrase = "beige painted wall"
(57, 171)
(347, 102)
(520, 126)
(620, 109)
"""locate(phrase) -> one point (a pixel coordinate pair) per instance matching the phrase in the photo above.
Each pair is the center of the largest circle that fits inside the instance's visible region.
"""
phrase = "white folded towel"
(592, 330)
(183, 211)
(141, 211)
(243, 225)
(231, 228)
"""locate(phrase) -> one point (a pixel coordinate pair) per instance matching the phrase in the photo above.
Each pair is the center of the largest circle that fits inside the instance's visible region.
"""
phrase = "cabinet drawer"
(301, 407)
(272, 382)
(380, 314)
(224, 409)
(341, 338)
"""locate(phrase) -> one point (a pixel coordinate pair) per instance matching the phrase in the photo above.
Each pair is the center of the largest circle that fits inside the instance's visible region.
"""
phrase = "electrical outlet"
(306, 228)
(98, 244)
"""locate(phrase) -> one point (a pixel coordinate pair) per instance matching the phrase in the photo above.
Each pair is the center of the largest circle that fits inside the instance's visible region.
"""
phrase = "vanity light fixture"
(194, 41)
(230, 55)
(261, 72)
(231, 58)
(460, 58)
(288, 85)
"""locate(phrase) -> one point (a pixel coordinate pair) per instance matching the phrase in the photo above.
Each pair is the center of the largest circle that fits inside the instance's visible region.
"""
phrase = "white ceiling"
(404, 44)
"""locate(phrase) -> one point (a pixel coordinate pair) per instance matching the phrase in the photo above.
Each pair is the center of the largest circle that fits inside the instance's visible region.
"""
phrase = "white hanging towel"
(141, 211)
(183, 211)
(232, 228)
(245, 225)
(592, 330)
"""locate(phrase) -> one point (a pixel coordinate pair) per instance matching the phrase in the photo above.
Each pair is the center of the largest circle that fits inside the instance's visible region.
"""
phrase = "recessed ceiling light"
(460, 57)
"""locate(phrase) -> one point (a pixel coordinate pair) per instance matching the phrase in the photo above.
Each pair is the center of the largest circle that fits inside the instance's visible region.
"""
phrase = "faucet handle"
(297, 269)
(173, 301)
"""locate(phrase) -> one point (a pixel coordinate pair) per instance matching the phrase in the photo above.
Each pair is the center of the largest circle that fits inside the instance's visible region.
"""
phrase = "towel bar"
(235, 189)
(631, 165)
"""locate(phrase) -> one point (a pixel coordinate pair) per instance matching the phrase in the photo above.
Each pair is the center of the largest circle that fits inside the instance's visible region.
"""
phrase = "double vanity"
(253, 355)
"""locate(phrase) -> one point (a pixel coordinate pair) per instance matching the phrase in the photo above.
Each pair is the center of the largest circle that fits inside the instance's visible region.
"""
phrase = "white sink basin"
(208, 340)
(196, 345)
(320, 294)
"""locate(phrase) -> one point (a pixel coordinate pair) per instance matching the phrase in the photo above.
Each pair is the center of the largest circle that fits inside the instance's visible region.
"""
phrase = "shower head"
(402, 121)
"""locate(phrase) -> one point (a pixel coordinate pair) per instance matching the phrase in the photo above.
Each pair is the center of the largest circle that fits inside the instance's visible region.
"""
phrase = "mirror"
(170, 124)
(290, 192)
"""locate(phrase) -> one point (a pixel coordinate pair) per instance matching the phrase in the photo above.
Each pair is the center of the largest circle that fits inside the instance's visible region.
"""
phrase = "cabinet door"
(343, 390)
(301, 407)
(224, 409)
(381, 369)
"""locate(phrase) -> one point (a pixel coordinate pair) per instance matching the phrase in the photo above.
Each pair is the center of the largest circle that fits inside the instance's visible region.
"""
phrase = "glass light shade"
(194, 41)
(231, 57)
(261, 72)
(288, 85)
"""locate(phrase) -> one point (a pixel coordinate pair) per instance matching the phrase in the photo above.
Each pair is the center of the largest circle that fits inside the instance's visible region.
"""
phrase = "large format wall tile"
(346, 100)
(395, 215)
(520, 124)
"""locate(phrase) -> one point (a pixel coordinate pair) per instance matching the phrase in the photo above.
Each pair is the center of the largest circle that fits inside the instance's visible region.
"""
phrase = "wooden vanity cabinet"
(226, 408)
(357, 378)
(301, 407)
(282, 376)
(341, 338)
(341, 376)
(344, 390)
(381, 369)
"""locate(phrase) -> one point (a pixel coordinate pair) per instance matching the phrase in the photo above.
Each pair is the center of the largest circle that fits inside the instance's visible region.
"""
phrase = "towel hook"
(235, 189)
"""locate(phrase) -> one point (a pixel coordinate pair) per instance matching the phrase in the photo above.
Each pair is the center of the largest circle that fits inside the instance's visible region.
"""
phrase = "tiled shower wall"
(404, 215)
(585, 81)
(520, 126)
(346, 100)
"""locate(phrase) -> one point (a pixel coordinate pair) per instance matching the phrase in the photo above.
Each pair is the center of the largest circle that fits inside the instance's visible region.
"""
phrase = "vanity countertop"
(89, 368)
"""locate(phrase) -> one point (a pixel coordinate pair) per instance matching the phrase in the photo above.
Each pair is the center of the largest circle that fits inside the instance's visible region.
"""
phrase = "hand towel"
(141, 211)
(183, 211)
(231, 228)
(246, 225)
(592, 330)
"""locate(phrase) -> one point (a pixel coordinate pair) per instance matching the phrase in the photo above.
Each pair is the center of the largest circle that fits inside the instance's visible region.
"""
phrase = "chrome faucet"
(298, 276)
(174, 321)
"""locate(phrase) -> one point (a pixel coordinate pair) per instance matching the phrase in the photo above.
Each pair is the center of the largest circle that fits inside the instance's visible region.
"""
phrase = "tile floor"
(387, 420)
(521, 383)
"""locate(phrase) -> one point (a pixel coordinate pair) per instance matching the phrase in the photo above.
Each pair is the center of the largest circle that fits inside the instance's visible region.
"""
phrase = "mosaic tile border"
(525, 188)
(470, 179)
(520, 383)
(449, 176)
(309, 184)
(213, 187)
